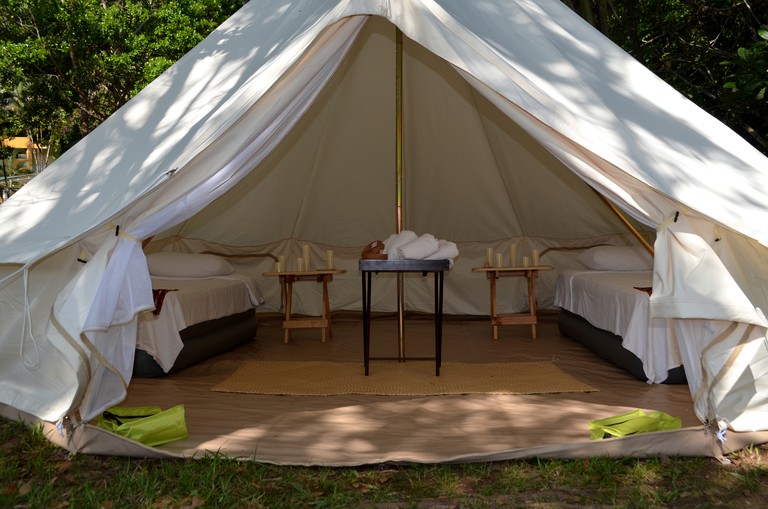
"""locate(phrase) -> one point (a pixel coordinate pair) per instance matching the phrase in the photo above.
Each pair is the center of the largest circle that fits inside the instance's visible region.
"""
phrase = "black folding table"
(370, 266)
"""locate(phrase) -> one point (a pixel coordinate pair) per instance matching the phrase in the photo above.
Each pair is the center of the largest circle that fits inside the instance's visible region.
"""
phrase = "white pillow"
(187, 265)
(616, 258)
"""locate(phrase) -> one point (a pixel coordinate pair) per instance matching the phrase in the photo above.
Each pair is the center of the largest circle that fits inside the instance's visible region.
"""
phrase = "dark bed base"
(201, 341)
(608, 346)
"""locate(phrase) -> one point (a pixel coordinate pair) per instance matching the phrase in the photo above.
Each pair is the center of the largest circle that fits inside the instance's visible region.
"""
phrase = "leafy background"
(66, 65)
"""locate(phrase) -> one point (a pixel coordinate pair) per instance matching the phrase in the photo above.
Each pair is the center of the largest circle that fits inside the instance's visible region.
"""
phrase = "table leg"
(494, 315)
(366, 320)
(438, 322)
(288, 295)
(326, 310)
(400, 317)
(531, 276)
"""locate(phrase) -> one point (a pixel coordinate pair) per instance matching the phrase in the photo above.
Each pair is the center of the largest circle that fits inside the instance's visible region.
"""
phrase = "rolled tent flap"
(690, 279)
(123, 290)
(721, 334)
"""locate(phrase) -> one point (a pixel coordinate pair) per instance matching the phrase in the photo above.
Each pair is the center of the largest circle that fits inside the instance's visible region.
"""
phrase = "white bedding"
(192, 301)
(610, 301)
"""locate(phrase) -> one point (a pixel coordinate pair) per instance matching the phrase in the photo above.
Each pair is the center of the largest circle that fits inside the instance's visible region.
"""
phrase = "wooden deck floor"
(356, 430)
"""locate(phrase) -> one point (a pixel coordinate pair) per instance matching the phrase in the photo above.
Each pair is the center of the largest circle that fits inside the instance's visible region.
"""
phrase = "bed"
(608, 311)
(198, 313)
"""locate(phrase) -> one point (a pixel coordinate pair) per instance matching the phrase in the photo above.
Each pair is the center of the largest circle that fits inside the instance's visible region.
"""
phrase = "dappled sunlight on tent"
(238, 438)
(284, 130)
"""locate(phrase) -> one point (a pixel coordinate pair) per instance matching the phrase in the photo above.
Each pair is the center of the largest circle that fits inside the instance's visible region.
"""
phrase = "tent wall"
(50, 377)
(278, 130)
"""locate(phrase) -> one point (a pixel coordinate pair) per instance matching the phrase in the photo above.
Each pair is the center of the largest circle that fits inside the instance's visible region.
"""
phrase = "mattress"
(619, 302)
(188, 302)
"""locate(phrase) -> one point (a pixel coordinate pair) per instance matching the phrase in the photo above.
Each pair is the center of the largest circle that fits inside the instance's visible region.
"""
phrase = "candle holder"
(305, 256)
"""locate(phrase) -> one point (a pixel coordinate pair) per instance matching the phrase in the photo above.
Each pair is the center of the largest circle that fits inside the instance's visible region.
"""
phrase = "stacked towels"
(406, 245)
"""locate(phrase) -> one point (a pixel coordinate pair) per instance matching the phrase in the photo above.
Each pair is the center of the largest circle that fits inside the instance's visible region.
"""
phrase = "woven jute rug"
(413, 378)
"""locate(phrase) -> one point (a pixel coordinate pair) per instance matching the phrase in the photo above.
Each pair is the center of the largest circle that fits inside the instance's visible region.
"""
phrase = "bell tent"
(296, 123)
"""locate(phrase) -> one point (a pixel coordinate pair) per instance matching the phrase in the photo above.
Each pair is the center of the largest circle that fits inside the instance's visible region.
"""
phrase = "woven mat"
(413, 378)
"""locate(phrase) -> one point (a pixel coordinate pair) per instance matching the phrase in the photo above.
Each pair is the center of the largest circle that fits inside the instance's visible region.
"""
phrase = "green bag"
(149, 425)
(631, 423)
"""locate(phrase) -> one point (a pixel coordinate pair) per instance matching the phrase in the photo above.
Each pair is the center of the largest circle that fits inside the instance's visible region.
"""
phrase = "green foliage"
(69, 64)
(66, 65)
(709, 50)
(747, 79)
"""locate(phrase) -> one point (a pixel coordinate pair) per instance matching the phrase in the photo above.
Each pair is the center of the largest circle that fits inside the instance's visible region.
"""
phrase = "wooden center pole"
(399, 185)
(626, 222)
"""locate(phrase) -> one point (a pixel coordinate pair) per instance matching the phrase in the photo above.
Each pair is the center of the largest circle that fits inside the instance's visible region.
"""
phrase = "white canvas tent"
(278, 129)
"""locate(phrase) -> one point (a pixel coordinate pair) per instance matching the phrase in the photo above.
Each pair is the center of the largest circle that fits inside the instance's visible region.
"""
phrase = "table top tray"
(407, 265)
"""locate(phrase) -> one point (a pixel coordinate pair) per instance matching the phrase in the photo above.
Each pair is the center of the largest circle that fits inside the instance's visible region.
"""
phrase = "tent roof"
(538, 60)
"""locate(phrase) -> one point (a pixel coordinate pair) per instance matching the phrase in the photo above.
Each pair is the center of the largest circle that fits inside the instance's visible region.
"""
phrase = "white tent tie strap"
(722, 431)
(27, 316)
(27, 326)
(125, 235)
(666, 224)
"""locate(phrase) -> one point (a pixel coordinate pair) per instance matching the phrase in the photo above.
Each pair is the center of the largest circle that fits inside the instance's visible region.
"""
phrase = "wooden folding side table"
(530, 273)
(287, 278)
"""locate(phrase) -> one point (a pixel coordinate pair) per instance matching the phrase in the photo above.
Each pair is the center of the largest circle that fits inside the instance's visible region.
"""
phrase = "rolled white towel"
(419, 248)
(394, 241)
(445, 250)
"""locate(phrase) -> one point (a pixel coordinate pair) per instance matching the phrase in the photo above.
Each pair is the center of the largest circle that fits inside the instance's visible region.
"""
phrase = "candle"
(499, 260)
(526, 261)
(536, 257)
(300, 264)
(513, 255)
(278, 267)
(489, 257)
(281, 261)
(329, 259)
(305, 256)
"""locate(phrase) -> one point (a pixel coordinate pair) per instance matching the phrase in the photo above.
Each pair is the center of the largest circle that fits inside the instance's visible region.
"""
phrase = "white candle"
(499, 260)
(281, 261)
(536, 257)
(329, 259)
(489, 257)
(300, 264)
(513, 255)
(278, 267)
(305, 256)
(526, 261)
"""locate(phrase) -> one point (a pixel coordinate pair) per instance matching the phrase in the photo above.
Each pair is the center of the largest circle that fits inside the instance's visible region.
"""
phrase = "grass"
(37, 474)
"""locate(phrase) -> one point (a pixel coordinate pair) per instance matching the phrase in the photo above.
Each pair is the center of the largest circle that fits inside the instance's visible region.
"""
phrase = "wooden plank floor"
(355, 430)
